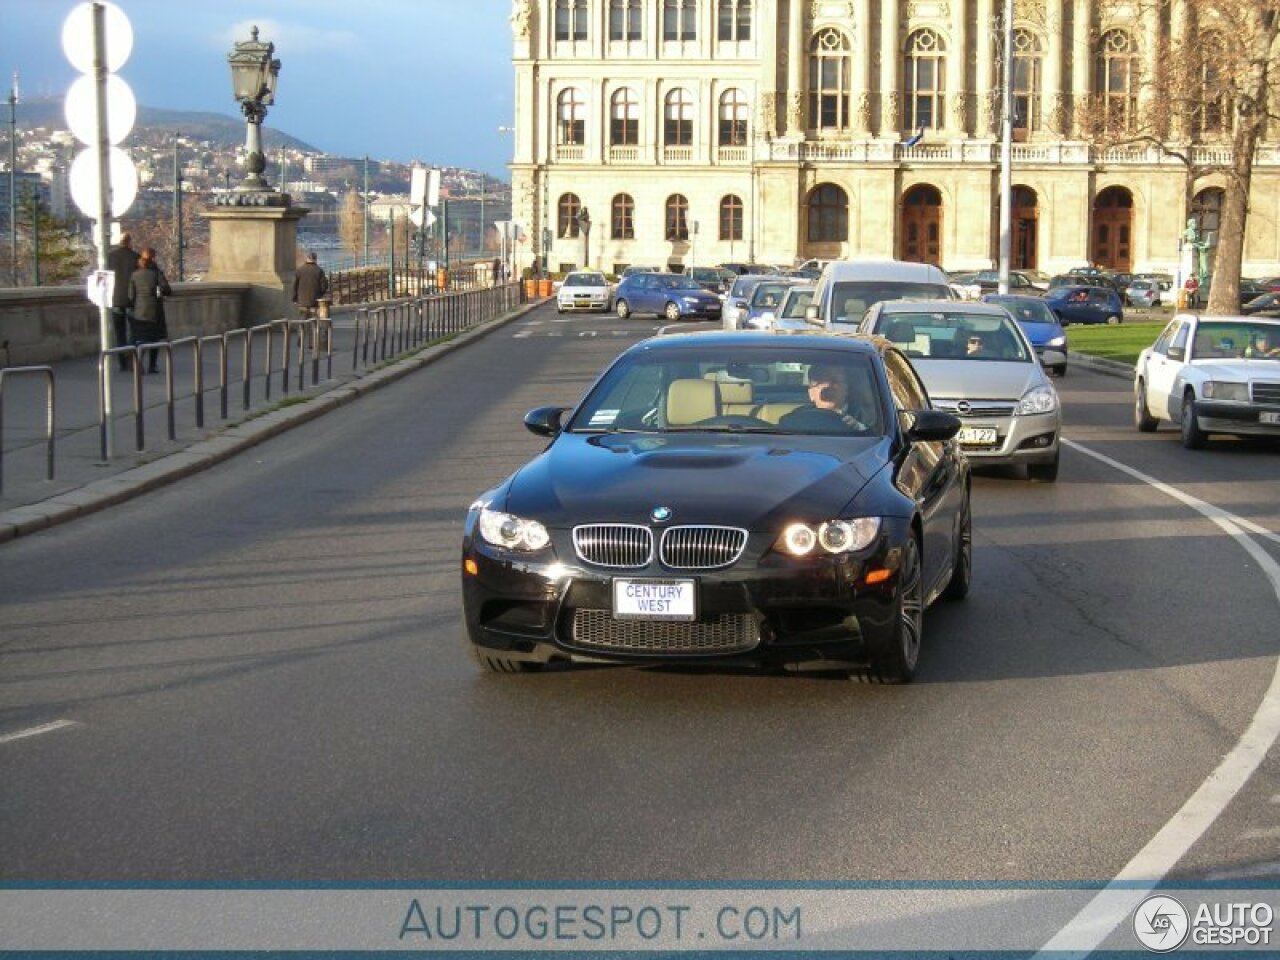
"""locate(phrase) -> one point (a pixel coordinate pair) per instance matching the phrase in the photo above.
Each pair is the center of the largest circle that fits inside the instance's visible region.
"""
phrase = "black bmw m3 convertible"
(779, 499)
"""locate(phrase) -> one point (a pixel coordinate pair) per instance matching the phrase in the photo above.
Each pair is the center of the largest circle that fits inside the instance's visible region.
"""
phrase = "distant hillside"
(221, 129)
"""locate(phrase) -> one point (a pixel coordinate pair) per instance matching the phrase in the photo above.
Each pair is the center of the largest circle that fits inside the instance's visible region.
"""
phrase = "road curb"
(203, 454)
(1113, 368)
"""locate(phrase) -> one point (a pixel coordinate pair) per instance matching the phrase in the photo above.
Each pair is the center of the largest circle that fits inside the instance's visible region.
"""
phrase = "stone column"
(890, 67)
(258, 245)
(1053, 104)
(1180, 34)
(766, 111)
(861, 106)
(984, 83)
(1081, 60)
(957, 121)
(1150, 69)
(795, 69)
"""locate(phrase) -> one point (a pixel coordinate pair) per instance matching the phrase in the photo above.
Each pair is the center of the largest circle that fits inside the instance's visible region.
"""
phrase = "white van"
(848, 288)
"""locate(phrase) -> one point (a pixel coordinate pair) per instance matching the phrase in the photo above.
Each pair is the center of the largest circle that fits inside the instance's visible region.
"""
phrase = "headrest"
(689, 401)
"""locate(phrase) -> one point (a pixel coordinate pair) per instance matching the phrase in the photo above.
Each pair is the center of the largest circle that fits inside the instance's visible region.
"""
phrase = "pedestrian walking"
(310, 285)
(147, 289)
(122, 260)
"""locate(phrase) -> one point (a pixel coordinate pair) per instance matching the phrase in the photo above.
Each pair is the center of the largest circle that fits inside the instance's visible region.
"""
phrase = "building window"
(828, 214)
(567, 215)
(677, 128)
(677, 217)
(1115, 80)
(571, 19)
(571, 123)
(730, 218)
(734, 19)
(622, 223)
(1028, 59)
(1207, 209)
(926, 72)
(1214, 106)
(679, 19)
(624, 20)
(733, 119)
(624, 118)
(829, 81)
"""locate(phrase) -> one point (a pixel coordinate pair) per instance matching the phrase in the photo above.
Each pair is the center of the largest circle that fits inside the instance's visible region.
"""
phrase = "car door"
(1163, 366)
(929, 474)
(646, 290)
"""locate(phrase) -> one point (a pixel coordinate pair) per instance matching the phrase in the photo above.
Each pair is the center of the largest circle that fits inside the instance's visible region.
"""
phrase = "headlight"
(833, 536)
(1226, 390)
(1056, 342)
(512, 532)
(1042, 399)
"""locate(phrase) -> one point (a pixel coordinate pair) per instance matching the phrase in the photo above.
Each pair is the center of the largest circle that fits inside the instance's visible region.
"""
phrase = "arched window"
(734, 19)
(1207, 209)
(624, 118)
(829, 80)
(828, 213)
(1028, 61)
(730, 217)
(1214, 106)
(733, 118)
(567, 215)
(926, 80)
(677, 217)
(677, 128)
(625, 20)
(622, 223)
(679, 19)
(1115, 79)
(571, 122)
(571, 19)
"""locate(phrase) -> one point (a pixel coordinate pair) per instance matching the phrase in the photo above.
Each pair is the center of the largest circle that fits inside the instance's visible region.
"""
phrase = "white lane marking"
(36, 731)
(1115, 903)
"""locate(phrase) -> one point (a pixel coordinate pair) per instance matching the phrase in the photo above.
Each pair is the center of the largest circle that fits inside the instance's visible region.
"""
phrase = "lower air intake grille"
(726, 633)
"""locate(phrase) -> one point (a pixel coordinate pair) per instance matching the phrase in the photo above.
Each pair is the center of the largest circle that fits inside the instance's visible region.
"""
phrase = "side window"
(1161, 345)
(908, 391)
(1180, 338)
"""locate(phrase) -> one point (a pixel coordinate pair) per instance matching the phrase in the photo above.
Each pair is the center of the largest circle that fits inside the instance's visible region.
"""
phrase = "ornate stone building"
(709, 131)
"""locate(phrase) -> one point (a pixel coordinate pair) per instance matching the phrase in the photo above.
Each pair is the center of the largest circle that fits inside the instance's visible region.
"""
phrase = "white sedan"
(583, 290)
(1211, 375)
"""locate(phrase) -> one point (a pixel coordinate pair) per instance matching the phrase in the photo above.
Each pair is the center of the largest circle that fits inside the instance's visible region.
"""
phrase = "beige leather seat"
(736, 397)
(689, 401)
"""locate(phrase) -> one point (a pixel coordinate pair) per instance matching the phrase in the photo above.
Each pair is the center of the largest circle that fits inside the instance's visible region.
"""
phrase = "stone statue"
(1198, 244)
(520, 18)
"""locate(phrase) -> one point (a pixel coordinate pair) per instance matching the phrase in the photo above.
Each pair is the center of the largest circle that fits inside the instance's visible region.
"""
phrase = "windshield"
(1236, 340)
(1025, 311)
(768, 295)
(773, 390)
(793, 306)
(851, 299)
(584, 280)
(954, 335)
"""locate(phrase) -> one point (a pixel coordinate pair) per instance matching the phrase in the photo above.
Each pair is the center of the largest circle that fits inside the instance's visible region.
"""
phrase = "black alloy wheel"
(1193, 438)
(962, 568)
(896, 663)
(1142, 418)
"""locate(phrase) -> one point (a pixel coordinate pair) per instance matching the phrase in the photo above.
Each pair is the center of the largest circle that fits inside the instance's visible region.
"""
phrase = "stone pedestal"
(257, 244)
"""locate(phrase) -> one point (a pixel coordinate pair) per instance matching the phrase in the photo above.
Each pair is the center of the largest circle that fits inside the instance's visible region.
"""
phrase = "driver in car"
(828, 391)
(1262, 346)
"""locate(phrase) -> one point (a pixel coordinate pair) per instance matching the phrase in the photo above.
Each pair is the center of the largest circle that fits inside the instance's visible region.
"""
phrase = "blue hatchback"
(669, 295)
(1082, 304)
(1038, 322)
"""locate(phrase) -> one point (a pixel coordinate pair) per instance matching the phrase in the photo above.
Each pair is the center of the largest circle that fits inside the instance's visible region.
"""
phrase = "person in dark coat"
(122, 260)
(147, 290)
(309, 285)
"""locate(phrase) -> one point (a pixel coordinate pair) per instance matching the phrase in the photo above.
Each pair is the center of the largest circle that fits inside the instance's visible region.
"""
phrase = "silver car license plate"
(977, 436)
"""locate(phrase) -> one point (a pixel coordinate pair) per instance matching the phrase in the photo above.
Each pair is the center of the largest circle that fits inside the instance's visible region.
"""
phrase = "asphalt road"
(261, 674)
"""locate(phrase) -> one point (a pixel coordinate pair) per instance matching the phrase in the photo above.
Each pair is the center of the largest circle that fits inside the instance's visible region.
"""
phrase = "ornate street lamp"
(253, 77)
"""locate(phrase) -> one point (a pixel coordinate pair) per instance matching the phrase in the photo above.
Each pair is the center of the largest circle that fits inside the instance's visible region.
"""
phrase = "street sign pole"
(103, 226)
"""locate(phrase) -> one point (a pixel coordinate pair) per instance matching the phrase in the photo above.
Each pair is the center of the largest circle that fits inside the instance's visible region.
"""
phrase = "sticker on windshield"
(603, 418)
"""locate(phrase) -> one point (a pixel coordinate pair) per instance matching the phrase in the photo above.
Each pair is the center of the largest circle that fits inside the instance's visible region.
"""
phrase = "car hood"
(1039, 333)
(752, 482)
(976, 379)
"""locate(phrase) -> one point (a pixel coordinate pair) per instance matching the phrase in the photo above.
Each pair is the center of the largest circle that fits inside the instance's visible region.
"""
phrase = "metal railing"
(50, 418)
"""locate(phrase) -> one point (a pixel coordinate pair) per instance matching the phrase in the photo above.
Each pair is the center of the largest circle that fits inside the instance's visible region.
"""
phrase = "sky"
(402, 80)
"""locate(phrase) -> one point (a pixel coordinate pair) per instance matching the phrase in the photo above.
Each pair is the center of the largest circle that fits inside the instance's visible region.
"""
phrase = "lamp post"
(13, 166)
(177, 204)
(1006, 151)
(584, 227)
(253, 77)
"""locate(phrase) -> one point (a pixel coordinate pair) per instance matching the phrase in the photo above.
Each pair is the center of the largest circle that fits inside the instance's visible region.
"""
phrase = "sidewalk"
(83, 482)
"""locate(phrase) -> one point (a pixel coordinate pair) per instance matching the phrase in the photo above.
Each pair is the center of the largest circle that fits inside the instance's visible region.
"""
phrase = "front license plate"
(977, 436)
(1268, 416)
(655, 599)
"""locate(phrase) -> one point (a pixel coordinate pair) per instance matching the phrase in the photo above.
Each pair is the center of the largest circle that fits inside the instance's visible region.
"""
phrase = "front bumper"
(587, 304)
(1225, 416)
(777, 609)
(1025, 439)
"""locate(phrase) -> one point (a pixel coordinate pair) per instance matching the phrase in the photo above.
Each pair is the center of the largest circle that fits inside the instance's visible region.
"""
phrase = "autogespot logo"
(1161, 923)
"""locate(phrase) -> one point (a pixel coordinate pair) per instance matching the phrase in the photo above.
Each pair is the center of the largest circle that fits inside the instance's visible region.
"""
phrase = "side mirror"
(1177, 353)
(932, 426)
(544, 421)
(1053, 358)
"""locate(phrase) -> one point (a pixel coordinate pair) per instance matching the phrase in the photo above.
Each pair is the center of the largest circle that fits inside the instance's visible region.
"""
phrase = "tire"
(1044, 472)
(896, 663)
(559, 309)
(957, 587)
(672, 312)
(1112, 320)
(1142, 418)
(495, 661)
(1193, 438)
(622, 309)
(1060, 371)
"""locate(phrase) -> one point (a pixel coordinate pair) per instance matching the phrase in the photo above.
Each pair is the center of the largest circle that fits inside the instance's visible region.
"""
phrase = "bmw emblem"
(660, 514)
